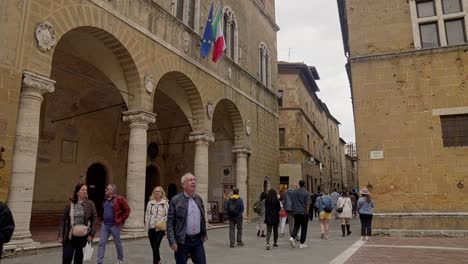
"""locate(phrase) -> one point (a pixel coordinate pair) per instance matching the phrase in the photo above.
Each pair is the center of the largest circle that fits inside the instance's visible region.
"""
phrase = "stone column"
(136, 168)
(201, 166)
(23, 171)
(242, 153)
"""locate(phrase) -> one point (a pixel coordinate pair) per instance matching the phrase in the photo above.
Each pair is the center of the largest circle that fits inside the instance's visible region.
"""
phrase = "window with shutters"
(231, 33)
(187, 12)
(264, 65)
(454, 130)
(438, 23)
(282, 137)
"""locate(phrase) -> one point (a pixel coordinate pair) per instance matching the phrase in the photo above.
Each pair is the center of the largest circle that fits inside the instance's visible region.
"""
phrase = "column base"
(134, 231)
(21, 240)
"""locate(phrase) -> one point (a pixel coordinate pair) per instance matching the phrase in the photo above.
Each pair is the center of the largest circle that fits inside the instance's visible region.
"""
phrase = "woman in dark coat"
(272, 209)
(84, 213)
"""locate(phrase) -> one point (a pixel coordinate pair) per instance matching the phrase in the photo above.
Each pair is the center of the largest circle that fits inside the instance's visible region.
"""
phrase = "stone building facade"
(105, 92)
(407, 68)
(309, 134)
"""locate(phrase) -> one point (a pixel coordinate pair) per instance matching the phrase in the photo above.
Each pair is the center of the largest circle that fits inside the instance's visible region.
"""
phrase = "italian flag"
(219, 43)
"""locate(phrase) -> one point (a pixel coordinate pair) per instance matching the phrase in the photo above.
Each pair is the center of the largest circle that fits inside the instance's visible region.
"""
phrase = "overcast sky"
(311, 30)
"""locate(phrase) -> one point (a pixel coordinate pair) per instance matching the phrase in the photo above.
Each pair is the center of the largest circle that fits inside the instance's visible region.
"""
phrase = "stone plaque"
(68, 154)
(45, 36)
(376, 154)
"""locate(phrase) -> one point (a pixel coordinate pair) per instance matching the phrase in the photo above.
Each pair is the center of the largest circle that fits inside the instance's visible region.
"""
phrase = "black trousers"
(366, 224)
(1, 250)
(232, 226)
(73, 250)
(275, 233)
(194, 247)
(300, 221)
(155, 238)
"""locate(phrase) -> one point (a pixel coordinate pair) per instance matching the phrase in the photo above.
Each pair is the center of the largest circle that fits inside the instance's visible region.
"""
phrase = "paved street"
(218, 250)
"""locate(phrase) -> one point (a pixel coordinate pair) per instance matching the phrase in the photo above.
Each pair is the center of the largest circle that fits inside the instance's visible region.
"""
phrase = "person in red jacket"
(115, 212)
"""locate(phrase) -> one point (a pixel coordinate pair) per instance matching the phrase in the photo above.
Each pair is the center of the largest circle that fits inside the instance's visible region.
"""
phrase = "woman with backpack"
(259, 208)
(272, 209)
(365, 206)
(155, 220)
(345, 212)
(325, 207)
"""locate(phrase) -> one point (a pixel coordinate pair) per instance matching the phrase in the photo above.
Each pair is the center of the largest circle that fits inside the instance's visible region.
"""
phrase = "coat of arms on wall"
(149, 83)
(210, 110)
(45, 36)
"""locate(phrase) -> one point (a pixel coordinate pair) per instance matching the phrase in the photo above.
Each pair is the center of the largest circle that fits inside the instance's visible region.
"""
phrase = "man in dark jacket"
(7, 226)
(234, 210)
(300, 205)
(116, 211)
(288, 207)
(186, 226)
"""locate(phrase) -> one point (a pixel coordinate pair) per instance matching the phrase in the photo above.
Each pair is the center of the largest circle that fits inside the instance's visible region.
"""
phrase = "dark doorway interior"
(152, 180)
(96, 177)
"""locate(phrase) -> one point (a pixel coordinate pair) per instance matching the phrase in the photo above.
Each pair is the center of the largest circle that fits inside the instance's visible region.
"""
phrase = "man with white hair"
(186, 226)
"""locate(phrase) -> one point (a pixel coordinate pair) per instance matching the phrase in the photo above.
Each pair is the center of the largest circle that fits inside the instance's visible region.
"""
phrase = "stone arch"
(193, 106)
(123, 41)
(236, 118)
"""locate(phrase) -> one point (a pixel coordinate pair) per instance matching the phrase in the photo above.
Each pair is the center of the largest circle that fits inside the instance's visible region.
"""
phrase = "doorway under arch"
(96, 179)
(152, 180)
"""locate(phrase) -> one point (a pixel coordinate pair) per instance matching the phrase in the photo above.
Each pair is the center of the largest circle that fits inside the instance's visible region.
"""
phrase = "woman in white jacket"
(346, 207)
(155, 220)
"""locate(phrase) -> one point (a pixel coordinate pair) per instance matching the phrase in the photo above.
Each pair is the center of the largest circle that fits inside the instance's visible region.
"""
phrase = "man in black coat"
(7, 226)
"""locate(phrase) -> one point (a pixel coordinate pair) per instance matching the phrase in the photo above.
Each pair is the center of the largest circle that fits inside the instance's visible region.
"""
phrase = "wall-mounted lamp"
(369, 186)
(460, 185)
(2, 161)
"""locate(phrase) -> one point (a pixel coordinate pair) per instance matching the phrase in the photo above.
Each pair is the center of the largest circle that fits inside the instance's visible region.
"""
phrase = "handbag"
(161, 224)
(340, 209)
(88, 252)
(283, 213)
(76, 230)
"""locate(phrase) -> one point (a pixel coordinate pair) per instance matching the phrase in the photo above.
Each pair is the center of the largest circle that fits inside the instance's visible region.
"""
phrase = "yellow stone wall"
(154, 40)
(393, 102)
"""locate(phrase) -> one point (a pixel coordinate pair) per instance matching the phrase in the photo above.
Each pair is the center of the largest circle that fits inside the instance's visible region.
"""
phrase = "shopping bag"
(88, 252)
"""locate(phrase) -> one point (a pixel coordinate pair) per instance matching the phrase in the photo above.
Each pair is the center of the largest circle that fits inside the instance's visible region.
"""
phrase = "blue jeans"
(192, 246)
(105, 232)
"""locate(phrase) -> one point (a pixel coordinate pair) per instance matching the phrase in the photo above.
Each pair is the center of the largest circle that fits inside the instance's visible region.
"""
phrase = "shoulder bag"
(76, 230)
(161, 224)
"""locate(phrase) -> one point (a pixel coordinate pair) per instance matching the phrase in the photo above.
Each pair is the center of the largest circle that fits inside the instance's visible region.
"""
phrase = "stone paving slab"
(218, 251)
(391, 250)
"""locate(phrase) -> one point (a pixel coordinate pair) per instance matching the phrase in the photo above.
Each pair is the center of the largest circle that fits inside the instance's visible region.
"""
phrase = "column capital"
(139, 117)
(33, 82)
(241, 150)
(201, 136)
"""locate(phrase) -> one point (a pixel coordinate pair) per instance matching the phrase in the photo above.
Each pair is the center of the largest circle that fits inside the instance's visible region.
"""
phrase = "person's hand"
(205, 238)
(60, 240)
(90, 238)
(174, 247)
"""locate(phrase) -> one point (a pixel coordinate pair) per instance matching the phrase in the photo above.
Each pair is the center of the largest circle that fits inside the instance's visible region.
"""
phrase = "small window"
(185, 12)
(282, 136)
(280, 98)
(425, 8)
(455, 31)
(454, 130)
(451, 6)
(180, 10)
(429, 35)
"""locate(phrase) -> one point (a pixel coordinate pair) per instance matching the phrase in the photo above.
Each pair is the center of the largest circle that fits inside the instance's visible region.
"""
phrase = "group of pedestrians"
(183, 218)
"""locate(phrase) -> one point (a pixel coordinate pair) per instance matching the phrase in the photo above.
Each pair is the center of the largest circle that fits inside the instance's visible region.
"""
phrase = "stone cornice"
(139, 117)
(201, 137)
(266, 15)
(36, 83)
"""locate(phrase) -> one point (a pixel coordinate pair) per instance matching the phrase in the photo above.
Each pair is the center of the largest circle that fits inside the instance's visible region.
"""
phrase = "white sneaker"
(367, 238)
(119, 262)
(292, 243)
(303, 246)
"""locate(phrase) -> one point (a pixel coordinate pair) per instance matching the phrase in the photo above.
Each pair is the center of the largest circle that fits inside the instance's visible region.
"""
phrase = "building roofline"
(308, 73)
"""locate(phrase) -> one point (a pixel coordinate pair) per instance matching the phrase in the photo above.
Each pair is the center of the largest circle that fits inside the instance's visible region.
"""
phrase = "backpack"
(234, 208)
(326, 207)
(257, 207)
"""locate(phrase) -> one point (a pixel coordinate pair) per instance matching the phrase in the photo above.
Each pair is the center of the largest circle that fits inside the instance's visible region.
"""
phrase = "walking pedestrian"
(325, 207)
(155, 220)
(334, 196)
(272, 209)
(283, 215)
(116, 211)
(300, 205)
(234, 211)
(353, 202)
(7, 226)
(77, 226)
(365, 207)
(186, 225)
(288, 207)
(345, 208)
(259, 208)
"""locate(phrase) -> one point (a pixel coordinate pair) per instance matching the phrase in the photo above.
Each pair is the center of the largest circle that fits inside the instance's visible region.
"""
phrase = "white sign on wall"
(376, 154)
